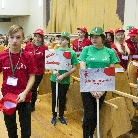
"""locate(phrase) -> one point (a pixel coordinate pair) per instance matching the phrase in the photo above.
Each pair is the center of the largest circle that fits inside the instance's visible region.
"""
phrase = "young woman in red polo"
(81, 41)
(110, 36)
(18, 68)
(37, 49)
(122, 48)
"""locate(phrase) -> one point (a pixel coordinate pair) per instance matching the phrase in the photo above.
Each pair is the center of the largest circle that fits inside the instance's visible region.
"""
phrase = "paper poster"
(57, 60)
(97, 79)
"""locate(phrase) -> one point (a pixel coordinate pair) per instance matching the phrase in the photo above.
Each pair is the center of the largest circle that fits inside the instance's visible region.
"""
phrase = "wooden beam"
(134, 98)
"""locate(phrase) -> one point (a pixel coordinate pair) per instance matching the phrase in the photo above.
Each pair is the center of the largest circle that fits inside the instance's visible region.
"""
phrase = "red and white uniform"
(79, 45)
(39, 55)
(25, 67)
(133, 46)
(123, 58)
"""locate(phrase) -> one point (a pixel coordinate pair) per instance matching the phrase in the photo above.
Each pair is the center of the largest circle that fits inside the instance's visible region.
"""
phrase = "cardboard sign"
(57, 60)
(97, 79)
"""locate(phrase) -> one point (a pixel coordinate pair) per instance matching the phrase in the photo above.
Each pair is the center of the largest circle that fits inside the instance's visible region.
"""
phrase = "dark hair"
(101, 35)
(107, 43)
(68, 40)
(86, 35)
(42, 37)
(112, 36)
(51, 39)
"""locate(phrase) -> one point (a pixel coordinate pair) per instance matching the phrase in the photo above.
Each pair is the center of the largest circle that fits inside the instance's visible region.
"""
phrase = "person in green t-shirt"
(63, 79)
(94, 56)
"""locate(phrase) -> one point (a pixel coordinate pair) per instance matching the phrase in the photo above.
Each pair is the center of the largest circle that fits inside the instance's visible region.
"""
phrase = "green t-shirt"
(74, 61)
(98, 58)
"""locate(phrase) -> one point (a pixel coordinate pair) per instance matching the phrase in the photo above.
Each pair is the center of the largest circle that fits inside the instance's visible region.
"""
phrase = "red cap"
(39, 31)
(110, 31)
(82, 29)
(119, 29)
(8, 103)
(132, 32)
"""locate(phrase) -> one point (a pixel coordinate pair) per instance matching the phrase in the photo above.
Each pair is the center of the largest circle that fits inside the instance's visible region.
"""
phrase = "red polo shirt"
(123, 62)
(39, 55)
(25, 67)
(133, 48)
(78, 46)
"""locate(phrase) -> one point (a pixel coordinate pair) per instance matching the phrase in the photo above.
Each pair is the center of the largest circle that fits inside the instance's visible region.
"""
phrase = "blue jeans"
(24, 111)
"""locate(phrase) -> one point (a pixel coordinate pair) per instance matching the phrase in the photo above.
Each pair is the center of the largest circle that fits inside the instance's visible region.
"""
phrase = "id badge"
(135, 56)
(124, 57)
(12, 81)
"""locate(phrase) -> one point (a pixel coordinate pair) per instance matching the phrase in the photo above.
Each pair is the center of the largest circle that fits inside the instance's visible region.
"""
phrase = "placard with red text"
(57, 60)
(97, 79)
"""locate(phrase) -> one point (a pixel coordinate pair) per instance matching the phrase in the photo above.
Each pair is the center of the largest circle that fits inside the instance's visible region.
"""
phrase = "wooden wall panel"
(70, 14)
(111, 20)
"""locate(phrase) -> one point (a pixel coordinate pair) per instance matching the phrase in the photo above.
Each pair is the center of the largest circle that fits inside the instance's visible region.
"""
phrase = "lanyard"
(79, 45)
(36, 50)
(135, 46)
(123, 48)
(14, 68)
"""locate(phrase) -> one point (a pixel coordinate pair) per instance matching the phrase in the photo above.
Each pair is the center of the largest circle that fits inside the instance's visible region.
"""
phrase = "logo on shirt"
(92, 58)
(105, 58)
(21, 66)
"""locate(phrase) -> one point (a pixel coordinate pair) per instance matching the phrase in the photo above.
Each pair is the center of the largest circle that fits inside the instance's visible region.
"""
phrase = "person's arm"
(82, 65)
(111, 65)
(21, 97)
(60, 77)
(55, 72)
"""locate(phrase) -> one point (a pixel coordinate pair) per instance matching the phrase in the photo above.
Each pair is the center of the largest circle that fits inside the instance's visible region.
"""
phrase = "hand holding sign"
(98, 94)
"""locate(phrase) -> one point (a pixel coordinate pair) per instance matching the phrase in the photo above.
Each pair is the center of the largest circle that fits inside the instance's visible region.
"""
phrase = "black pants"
(38, 79)
(90, 113)
(24, 111)
(62, 91)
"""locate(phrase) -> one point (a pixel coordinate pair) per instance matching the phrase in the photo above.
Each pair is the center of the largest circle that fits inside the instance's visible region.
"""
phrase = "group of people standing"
(25, 67)
(126, 49)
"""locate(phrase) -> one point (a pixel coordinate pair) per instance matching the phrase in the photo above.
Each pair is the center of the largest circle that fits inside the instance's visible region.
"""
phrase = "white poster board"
(58, 60)
(97, 79)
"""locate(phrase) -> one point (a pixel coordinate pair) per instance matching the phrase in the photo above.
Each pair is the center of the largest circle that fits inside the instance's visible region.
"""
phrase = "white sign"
(97, 79)
(58, 60)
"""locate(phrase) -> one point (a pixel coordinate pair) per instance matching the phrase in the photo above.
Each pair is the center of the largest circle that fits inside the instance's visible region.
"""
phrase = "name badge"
(124, 57)
(12, 81)
(135, 56)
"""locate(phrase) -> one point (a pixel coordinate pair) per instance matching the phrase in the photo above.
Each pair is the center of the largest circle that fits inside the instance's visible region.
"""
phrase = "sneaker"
(62, 120)
(32, 109)
(53, 121)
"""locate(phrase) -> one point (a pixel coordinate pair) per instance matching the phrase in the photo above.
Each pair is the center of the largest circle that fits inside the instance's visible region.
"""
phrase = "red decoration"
(109, 71)
(67, 55)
